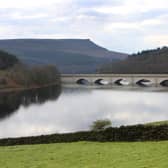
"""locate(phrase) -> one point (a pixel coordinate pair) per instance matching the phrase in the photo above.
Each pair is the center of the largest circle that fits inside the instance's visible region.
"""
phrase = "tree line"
(149, 61)
(15, 73)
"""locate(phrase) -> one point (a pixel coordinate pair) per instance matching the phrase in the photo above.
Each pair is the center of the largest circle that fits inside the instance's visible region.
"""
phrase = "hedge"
(121, 134)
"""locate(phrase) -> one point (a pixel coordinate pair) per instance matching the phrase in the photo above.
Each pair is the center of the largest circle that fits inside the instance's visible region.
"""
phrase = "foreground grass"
(158, 123)
(86, 155)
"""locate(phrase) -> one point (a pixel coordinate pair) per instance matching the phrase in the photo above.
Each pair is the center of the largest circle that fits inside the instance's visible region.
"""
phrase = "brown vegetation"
(22, 76)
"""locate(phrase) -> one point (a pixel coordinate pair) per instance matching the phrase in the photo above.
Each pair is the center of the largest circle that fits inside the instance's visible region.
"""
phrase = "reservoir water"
(51, 110)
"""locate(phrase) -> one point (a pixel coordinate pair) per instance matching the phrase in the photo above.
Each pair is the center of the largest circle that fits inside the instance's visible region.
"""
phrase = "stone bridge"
(154, 80)
(117, 79)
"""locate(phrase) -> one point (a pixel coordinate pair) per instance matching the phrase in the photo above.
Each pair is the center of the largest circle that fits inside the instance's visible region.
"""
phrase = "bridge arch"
(164, 83)
(101, 81)
(122, 82)
(144, 82)
(82, 81)
(118, 82)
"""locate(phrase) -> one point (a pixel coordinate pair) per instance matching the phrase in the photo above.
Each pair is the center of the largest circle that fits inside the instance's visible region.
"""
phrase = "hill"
(70, 55)
(150, 61)
(7, 60)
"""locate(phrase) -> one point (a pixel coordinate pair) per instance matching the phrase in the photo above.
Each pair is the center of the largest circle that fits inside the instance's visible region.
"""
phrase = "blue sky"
(120, 25)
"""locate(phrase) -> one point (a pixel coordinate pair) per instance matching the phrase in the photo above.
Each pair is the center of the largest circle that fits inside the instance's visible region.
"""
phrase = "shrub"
(100, 125)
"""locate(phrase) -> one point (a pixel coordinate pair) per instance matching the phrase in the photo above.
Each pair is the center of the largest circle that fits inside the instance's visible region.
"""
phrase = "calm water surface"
(74, 109)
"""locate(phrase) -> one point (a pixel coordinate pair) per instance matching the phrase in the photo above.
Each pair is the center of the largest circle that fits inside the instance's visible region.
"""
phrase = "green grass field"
(86, 155)
(157, 123)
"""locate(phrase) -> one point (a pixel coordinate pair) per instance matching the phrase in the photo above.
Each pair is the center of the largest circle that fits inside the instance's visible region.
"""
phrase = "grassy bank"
(158, 123)
(86, 155)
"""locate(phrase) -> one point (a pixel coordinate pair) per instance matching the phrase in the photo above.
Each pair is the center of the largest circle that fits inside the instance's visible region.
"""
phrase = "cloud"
(141, 25)
(26, 4)
(123, 25)
(19, 16)
(132, 7)
(159, 40)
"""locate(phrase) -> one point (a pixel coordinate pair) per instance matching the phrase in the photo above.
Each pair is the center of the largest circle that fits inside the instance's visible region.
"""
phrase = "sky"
(120, 25)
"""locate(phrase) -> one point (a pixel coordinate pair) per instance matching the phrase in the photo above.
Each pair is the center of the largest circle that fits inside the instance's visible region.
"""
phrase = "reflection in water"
(76, 109)
(11, 101)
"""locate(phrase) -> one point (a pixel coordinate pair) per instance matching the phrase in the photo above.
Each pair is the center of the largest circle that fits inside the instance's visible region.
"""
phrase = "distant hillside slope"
(7, 60)
(70, 55)
(150, 61)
